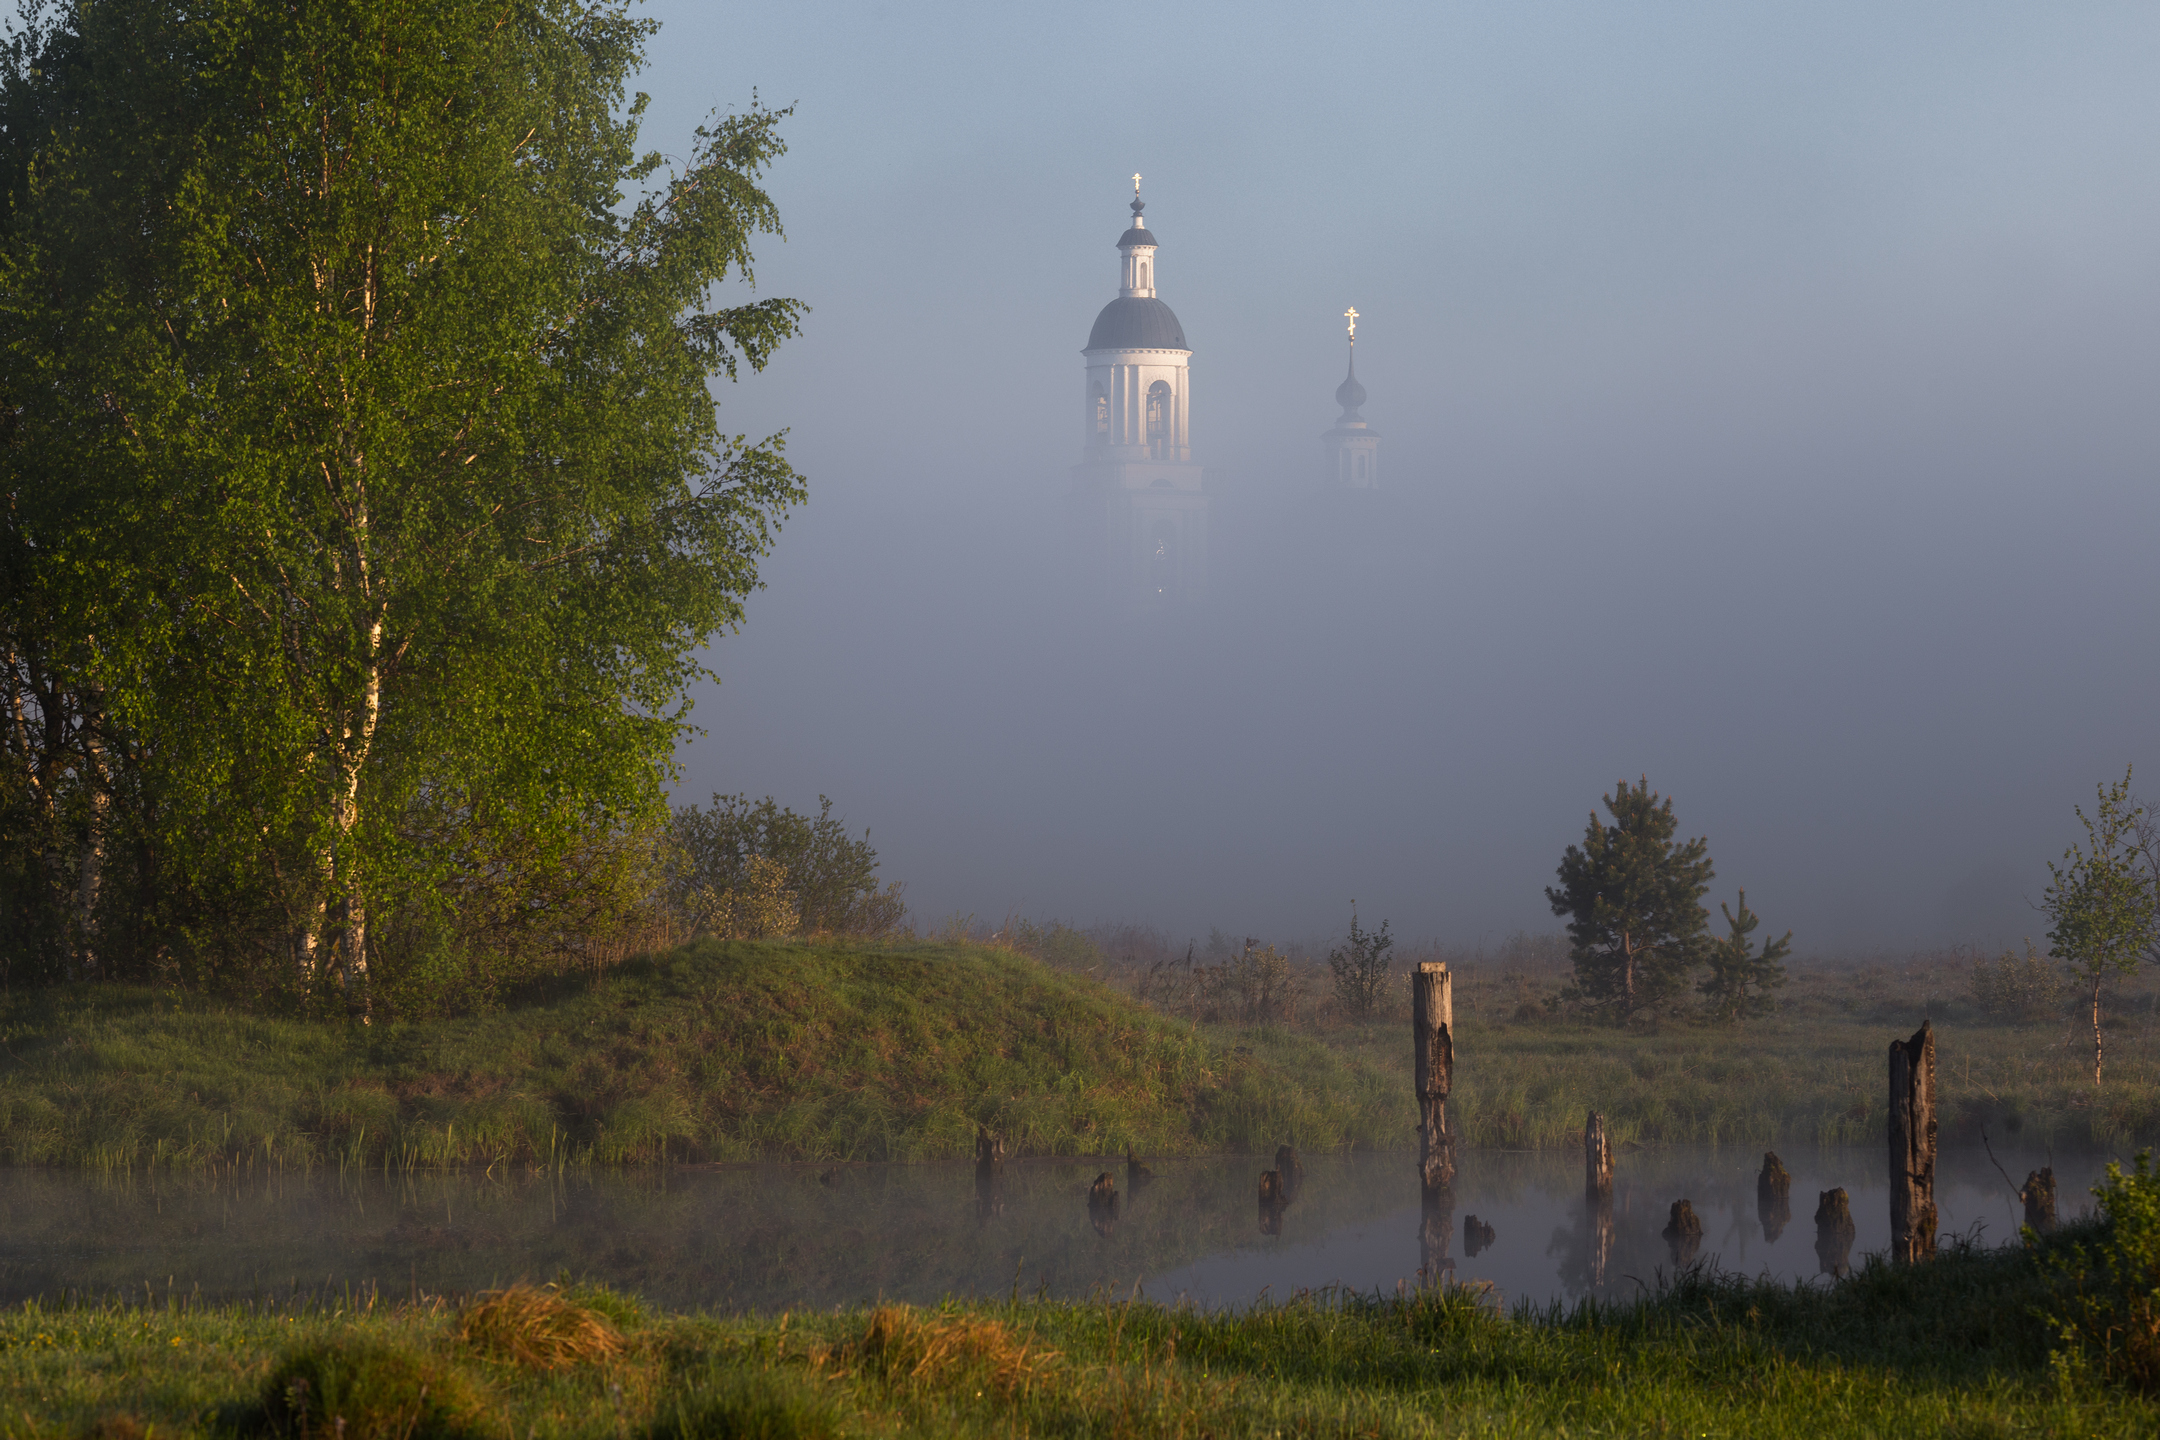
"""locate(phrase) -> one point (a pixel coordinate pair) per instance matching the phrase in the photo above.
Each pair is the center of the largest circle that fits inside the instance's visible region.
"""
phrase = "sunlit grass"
(1958, 1346)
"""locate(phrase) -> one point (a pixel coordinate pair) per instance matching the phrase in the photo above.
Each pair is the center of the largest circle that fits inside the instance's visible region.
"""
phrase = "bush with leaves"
(2107, 1319)
(1360, 968)
(831, 876)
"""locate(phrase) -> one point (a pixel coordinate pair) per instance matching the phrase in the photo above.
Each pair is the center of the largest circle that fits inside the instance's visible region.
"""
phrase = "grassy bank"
(1948, 1348)
(733, 1051)
(711, 1052)
(1814, 1072)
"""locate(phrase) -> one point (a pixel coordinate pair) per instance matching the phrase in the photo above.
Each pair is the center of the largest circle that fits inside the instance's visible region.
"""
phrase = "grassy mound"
(711, 1052)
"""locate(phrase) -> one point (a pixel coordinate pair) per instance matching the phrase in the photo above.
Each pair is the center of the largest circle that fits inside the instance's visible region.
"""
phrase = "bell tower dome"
(1136, 479)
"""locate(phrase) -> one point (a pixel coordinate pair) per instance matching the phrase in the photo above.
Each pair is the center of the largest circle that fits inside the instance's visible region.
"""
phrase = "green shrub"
(2107, 1321)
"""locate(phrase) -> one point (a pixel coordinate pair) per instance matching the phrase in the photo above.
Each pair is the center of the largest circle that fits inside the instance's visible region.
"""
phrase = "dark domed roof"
(1131, 322)
(1350, 394)
(1136, 236)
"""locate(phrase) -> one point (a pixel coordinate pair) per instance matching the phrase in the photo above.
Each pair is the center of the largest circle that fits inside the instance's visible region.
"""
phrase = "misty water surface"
(792, 1236)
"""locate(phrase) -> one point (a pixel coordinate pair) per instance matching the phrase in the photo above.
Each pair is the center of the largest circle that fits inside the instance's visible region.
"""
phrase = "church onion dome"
(1138, 235)
(1350, 394)
(1131, 322)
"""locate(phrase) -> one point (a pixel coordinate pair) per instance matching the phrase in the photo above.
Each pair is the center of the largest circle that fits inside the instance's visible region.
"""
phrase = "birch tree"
(2103, 901)
(361, 372)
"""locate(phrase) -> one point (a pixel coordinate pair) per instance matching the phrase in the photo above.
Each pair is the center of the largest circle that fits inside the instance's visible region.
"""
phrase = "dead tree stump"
(1912, 1146)
(2039, 1198)
(1775, 1182)
(1834, 1231)
(1476, 1235)
(1137, 1175)
(1432, 1019)
(1773, 1197)
(1597, 1161)
(989, 1149)
(1290, 1171)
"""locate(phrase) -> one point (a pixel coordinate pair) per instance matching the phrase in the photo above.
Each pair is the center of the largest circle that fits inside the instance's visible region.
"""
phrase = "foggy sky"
(1767, 402)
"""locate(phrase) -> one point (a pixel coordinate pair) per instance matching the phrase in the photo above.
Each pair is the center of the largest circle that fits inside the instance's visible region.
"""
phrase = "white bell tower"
(1353, 447)
(1136, 481)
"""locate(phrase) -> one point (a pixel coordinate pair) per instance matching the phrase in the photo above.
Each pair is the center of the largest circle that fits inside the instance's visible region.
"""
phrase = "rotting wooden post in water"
(1597, 1161)
(1912, 1146)
(1432, 1005)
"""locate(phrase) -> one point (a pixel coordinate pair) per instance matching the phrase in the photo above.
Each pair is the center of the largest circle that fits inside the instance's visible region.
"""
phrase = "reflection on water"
(782, 1236)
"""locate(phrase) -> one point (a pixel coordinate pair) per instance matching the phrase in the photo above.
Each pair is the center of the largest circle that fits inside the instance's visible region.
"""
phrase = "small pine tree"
(1740, 980)
(1633, 898)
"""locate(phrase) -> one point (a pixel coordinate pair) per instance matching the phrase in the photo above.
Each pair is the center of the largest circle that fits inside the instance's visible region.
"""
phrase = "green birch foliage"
(361, 373)
(2104, 901)
(1741, 980)
(1632, 896)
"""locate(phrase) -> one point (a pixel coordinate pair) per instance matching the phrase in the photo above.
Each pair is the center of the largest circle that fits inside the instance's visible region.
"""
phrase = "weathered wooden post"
(1834, 1231)
(1432, 1018)
(1597, 1161)
(2039, 1198)
(1290, 1170)
(1773, 1196)
(1912, 1146)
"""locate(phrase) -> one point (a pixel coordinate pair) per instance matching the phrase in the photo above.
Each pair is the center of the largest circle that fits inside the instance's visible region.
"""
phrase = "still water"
(773, 1237)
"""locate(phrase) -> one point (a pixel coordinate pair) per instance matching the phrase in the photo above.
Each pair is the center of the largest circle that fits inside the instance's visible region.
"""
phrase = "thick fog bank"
(1765, 409)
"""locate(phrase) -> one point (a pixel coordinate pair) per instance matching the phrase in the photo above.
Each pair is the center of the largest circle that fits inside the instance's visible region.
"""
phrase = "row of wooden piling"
(1911, 1135)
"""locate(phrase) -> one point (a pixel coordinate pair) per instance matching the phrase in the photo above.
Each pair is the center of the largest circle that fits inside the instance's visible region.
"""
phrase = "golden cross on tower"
(1136, 184)
(1351, 315)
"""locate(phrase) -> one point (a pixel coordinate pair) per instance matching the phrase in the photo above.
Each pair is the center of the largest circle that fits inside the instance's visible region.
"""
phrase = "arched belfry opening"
(1143, 495)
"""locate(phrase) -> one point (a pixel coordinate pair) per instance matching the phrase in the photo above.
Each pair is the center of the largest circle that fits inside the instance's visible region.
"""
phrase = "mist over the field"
(1767, 401)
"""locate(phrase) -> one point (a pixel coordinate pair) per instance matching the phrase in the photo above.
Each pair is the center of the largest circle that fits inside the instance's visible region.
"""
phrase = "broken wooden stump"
(989, 1149)
(1775, 1181)
(1834, 1231)
(1597, 1161)
(1773, 1196)
(1476, 1236)
(1912, 1146)
(1137, 1175)
(2039, 1198)
(1432, 1022)
(1290, 1171)
(1683, 1233)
